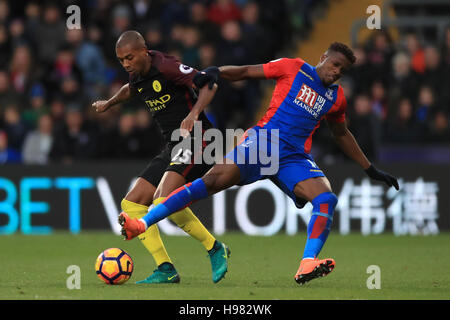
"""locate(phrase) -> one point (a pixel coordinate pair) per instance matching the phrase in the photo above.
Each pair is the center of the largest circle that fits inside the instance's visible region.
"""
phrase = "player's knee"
(328, 198)
(211, 183)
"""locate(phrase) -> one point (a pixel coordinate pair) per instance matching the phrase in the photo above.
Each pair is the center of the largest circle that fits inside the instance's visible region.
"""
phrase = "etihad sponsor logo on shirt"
(158, 104)
(310, 100)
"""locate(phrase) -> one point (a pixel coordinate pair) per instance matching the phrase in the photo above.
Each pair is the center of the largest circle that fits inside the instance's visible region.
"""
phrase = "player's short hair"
(344, 49)
(131, 37)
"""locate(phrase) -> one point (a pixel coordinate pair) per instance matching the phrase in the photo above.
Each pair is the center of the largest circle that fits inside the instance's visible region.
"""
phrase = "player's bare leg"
(222, 176)
(318, 191)
(185, 219)
(142, 192)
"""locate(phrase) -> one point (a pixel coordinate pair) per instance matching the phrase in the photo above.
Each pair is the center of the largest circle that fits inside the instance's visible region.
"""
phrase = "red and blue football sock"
(177, 200)
(320, 223)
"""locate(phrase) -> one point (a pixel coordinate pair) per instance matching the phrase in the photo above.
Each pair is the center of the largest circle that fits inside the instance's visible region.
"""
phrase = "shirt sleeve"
(279, 68)
(179, 73)
(337, 112)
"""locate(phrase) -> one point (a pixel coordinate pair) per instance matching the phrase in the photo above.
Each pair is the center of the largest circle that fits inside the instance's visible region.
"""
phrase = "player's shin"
(186, 220)
(177, 200)
(151, 238)
(320, 223)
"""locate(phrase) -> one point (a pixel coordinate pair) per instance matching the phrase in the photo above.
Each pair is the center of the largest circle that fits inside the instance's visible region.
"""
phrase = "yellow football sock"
(151, 238)
(186, 220)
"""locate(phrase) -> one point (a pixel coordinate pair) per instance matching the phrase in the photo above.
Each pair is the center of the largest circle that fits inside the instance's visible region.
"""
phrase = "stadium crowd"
(397, 92)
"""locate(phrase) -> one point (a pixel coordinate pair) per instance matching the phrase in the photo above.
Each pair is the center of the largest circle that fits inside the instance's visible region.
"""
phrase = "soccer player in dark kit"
(303, 96)
(167, 87)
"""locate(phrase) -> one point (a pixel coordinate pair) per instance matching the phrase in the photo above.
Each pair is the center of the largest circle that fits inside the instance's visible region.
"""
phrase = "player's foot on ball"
(313, 268)
(165, 273)
(219, 255)
(131, 228)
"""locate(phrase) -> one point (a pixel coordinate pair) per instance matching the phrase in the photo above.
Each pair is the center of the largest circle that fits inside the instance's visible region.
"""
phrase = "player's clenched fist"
(101, 106)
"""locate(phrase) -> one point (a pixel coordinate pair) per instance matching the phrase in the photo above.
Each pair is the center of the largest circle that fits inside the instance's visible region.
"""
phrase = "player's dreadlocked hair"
(344, 49)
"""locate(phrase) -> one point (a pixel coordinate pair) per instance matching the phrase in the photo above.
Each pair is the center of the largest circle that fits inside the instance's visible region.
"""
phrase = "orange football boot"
(313, 268)
(131, 228)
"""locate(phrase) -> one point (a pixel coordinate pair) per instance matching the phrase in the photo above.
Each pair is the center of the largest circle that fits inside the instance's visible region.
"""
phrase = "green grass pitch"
(34, 267)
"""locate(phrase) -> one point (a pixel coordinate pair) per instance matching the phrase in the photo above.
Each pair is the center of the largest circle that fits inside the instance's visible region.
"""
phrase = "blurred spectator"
(365, 126)
(71, 93)
(230, 102)
(38, 143)
(199, 19)
(37, 104)
(361, 72)
(121, 21)
(63, 67)
(154, 38)
(32, 20)
(174, 12)
(14, 127)
(446, 48)
(223, 11)
(231, 49)
(57, 113)
(207, 55)
(378, 100)
(75, 141)
(21, 69)
(416, 53)
(142, 11)
(176, 36)
(18, 35)
(7, 95)
(404, 81)
(149, 134)
(4, 12)
(425, 105)
(5, 47)
(50, 34)
(379, 54)
(89, 60)
(7, 155)
(433, 75)
(276, 15)
(403, 127)
(124, 142)
(190, 42)
(439, 130)
(254, 35)
(348, 86)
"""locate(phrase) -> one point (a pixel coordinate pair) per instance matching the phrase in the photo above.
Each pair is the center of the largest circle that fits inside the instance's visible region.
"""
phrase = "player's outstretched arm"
(122, 95)
(211, 75)
(236, 73)
(346, 141)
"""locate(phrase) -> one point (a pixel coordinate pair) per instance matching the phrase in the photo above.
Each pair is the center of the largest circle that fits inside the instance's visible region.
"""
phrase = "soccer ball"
(114, 266)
